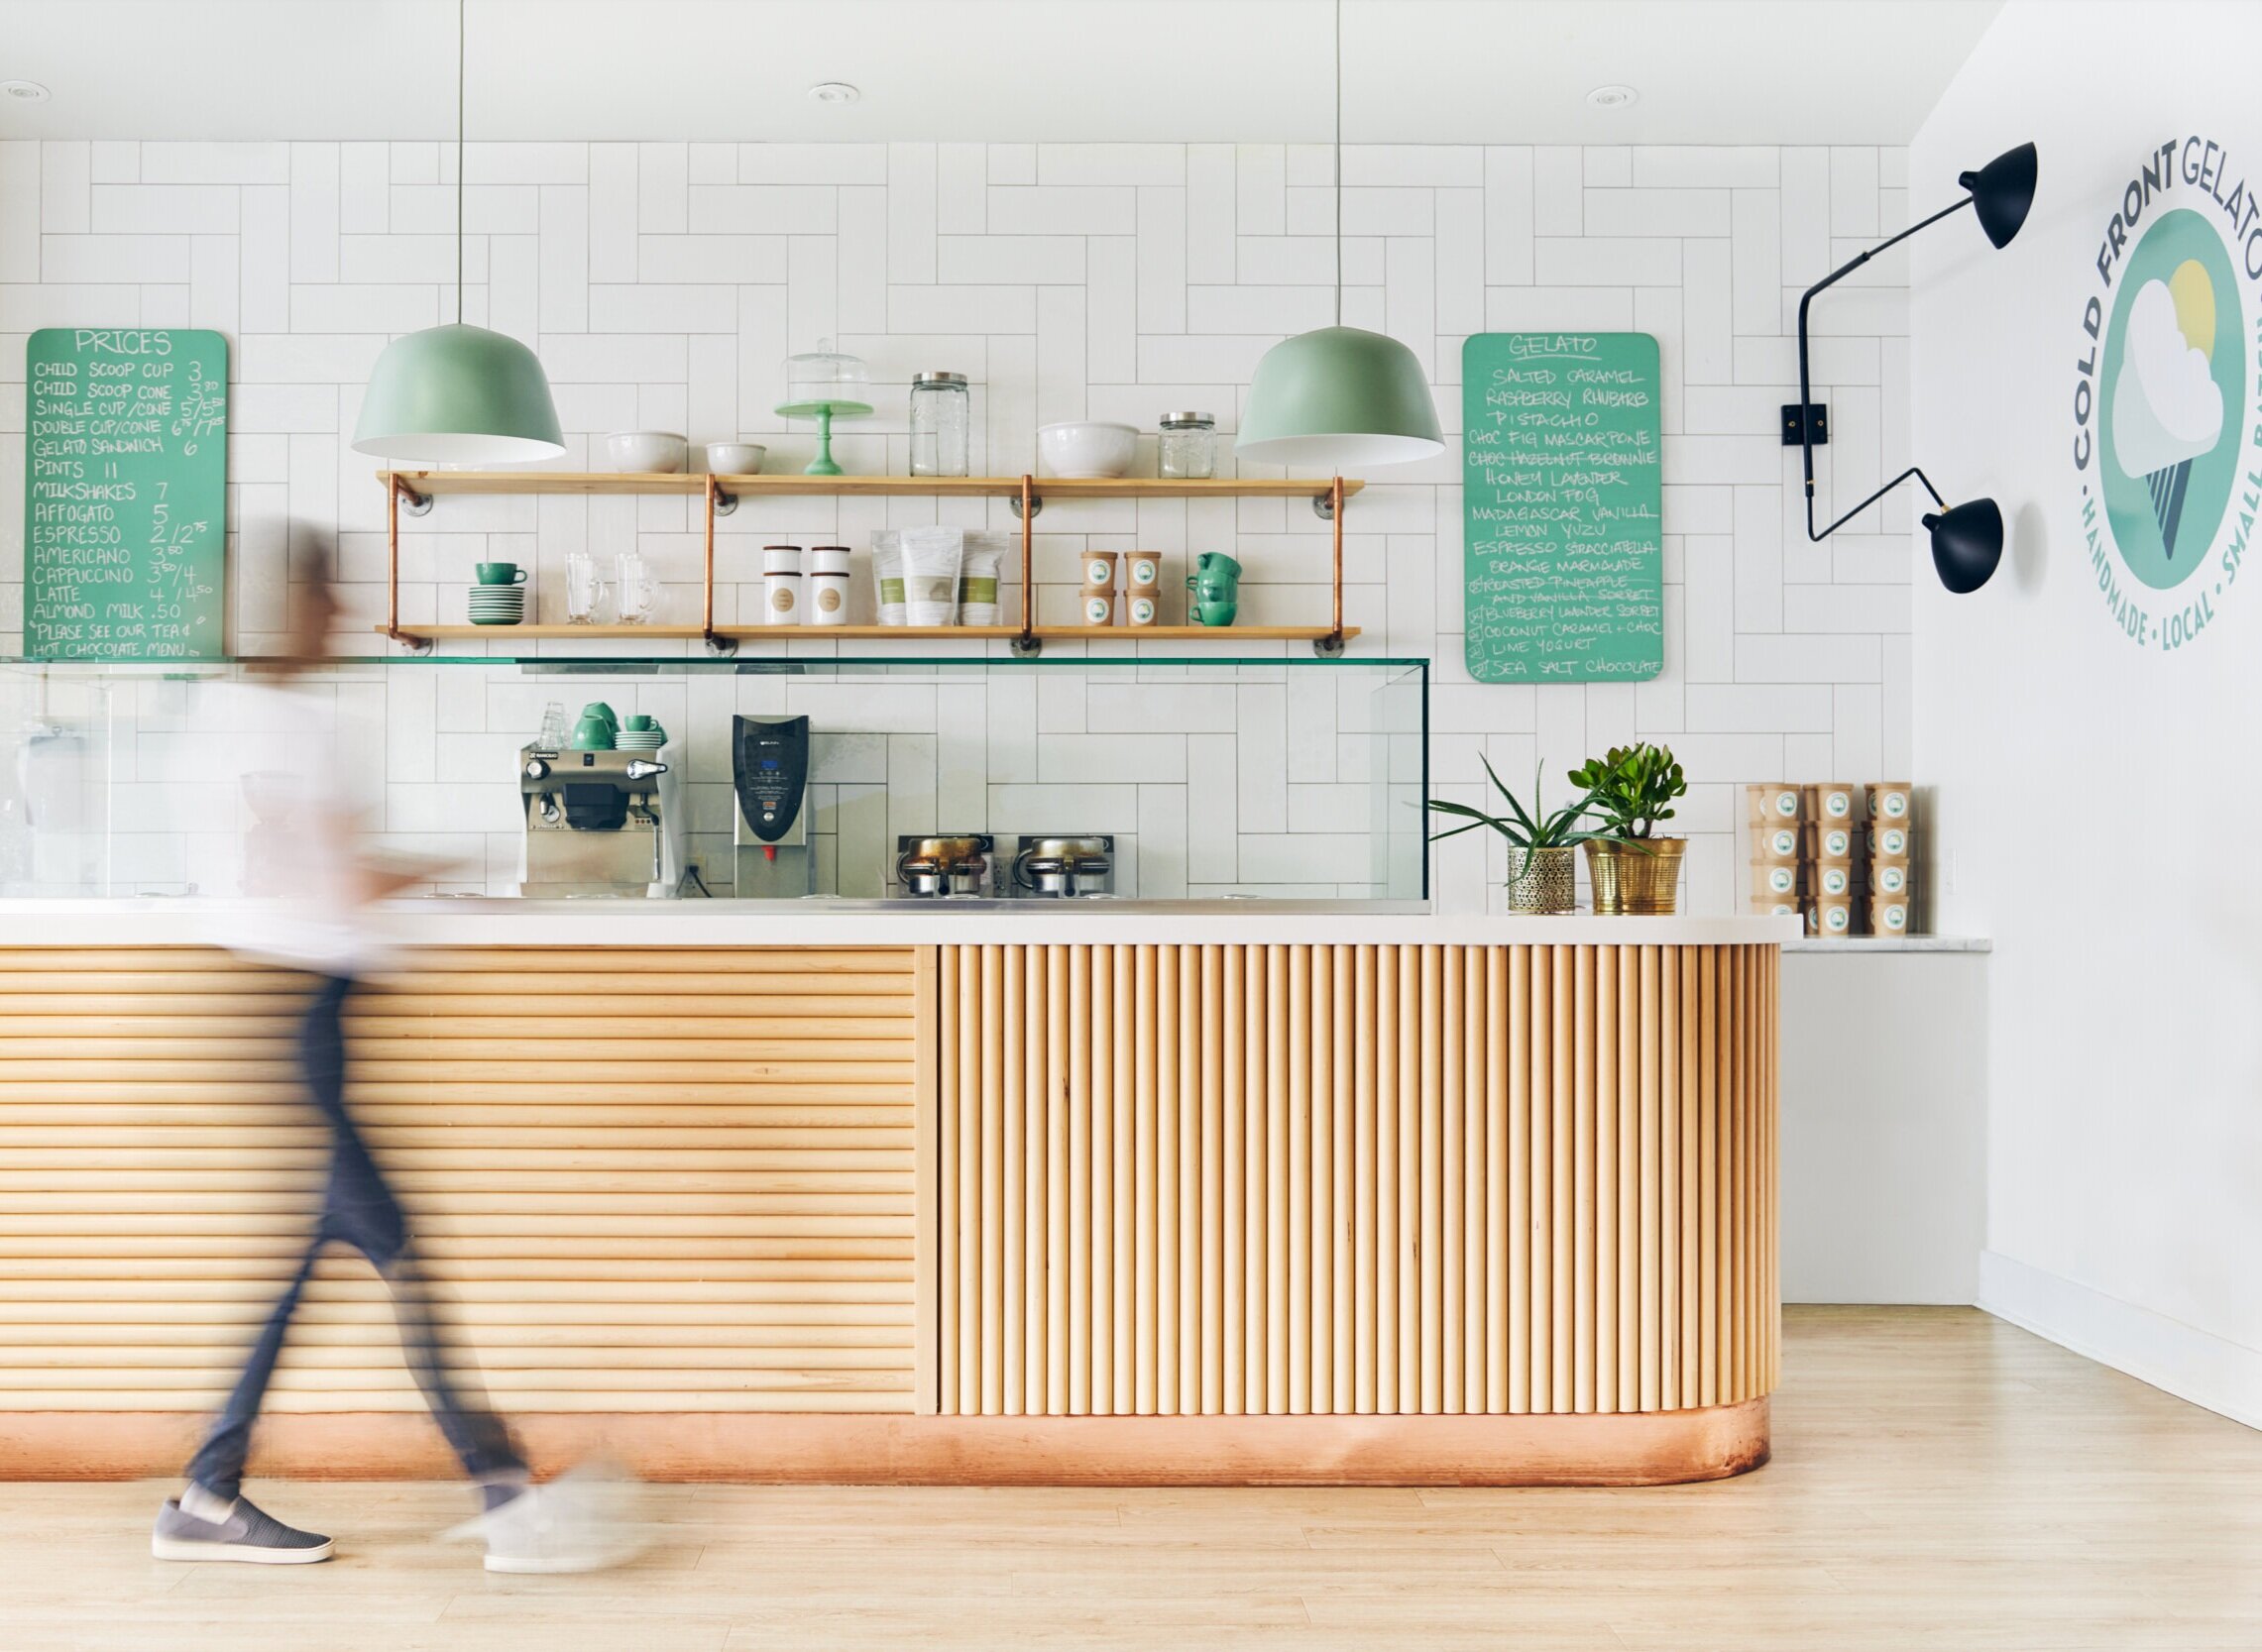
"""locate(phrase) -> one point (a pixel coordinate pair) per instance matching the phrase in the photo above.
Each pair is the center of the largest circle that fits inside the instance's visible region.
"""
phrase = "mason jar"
(940, 419)
(1189, 447)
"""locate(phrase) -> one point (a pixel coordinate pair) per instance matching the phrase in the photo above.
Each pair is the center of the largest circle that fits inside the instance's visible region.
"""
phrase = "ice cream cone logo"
(2167, 408)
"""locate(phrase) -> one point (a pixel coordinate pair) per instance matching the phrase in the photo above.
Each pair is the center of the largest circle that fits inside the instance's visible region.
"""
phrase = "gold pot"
(1543, 880)
(1634, 877)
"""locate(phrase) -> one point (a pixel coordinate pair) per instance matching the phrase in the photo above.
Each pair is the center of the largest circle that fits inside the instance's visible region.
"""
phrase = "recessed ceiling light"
(1611, 97)
(834, 91)
(23, 92)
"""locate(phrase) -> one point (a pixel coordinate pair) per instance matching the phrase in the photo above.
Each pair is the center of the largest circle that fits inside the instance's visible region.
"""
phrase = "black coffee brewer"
(769, 830)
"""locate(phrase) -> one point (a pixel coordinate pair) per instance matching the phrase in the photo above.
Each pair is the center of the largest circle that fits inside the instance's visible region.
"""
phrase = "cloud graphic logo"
(2166, 407)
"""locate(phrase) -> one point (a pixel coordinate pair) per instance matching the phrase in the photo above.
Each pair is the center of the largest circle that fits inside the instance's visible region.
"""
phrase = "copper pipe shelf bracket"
(399, 496)
(1330, 506)
(723, 646)
(1027, 645)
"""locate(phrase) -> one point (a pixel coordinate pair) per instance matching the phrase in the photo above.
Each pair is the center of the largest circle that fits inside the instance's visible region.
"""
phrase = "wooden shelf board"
(506, 634)
(878, 633)
(958, 486)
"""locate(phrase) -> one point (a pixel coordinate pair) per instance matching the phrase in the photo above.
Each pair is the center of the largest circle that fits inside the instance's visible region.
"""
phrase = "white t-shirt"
(301, 869)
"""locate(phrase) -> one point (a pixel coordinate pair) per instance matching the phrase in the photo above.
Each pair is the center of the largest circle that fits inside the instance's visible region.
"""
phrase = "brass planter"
(1635, 878)
(1543, 880)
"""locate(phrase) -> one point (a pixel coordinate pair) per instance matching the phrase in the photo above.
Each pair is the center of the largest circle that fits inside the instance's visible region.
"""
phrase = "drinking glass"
(639, 592)
(584, 592)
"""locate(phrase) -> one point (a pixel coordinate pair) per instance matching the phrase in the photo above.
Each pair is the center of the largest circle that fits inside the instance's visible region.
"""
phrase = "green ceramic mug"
(500, 573)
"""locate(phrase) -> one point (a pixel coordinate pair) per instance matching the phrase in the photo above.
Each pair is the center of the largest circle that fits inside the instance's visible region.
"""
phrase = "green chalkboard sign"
(125, 494)
(1564, 548)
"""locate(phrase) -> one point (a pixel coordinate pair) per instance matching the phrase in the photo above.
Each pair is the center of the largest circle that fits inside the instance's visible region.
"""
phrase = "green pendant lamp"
(458, 395)
(1339, 397)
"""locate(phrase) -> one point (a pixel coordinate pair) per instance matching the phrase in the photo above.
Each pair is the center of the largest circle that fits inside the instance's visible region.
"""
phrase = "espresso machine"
(769, 828)
(598, 822)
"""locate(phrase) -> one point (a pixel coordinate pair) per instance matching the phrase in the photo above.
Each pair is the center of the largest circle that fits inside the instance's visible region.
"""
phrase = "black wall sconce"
(1966, 539)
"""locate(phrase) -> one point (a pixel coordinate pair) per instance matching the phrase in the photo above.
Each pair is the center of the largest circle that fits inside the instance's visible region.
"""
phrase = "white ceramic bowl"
(735, 458)
(646, 450)
(1087, 447)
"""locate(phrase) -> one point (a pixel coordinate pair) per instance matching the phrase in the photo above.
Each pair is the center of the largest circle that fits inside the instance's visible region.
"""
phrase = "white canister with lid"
(781, 584)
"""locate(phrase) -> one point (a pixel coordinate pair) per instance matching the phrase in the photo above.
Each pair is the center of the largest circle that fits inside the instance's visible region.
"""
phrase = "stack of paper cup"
(1778, 880)
(781, 584)
(1834, 872)
(1142, 588)
(1890, 838)
(828, 585)
(1096, 601)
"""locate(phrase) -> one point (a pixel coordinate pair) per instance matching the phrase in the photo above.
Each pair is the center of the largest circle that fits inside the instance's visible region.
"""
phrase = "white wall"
(662, 283)
(2094, 795)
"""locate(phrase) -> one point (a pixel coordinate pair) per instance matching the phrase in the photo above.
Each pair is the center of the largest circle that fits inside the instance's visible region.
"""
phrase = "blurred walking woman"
(315, 888)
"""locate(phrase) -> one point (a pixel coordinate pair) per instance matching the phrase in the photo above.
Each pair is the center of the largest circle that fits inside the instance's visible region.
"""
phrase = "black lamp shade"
(1967, 543)
(2001, 192)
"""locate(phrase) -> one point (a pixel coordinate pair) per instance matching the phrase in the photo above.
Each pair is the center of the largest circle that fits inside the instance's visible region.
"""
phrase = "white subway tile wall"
(664, 283)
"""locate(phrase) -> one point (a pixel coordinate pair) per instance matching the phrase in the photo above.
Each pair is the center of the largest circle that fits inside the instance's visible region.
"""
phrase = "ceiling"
(1708, 72)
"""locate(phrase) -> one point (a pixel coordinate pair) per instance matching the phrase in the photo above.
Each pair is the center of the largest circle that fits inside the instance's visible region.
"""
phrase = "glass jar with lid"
(940, 421)
(1189, 447)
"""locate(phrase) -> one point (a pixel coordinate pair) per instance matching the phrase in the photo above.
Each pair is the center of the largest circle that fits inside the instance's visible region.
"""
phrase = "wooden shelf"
(878, 633)
(948, 487)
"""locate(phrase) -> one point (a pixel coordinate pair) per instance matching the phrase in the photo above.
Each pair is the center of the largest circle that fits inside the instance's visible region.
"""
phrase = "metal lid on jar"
(1190, 421)
(941, 381)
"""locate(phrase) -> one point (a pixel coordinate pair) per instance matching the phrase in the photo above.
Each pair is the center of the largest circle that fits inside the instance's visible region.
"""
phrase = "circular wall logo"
(2164, 411)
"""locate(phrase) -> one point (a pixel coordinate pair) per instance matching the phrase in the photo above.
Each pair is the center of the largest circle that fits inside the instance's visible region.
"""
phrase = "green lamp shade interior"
(458, 395)
(1340, 398)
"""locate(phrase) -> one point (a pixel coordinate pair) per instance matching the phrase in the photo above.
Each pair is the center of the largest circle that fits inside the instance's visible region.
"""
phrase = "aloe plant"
(1633, 787)
(1525, 829)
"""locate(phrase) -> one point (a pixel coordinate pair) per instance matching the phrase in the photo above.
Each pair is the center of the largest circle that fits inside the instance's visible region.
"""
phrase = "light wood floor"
(1940, 1479)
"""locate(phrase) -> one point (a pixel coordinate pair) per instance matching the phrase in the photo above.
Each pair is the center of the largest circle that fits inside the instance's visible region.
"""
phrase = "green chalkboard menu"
(1563, 549)
(125, 494)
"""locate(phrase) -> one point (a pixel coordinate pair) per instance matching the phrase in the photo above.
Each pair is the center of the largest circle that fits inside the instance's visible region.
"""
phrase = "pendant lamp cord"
(459, 157)
(1338, 162)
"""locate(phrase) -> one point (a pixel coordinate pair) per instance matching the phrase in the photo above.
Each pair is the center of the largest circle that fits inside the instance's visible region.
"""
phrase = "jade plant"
(1525, 829)
(1632, 788)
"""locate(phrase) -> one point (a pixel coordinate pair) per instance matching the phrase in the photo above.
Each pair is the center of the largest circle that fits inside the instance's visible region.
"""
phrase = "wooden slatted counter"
(1010, 1210)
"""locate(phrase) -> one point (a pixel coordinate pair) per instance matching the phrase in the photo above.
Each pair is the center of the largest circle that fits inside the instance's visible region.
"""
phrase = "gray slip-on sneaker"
(248, 1533)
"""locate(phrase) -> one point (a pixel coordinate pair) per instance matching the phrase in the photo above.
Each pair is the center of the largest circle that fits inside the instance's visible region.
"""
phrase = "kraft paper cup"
(1775, 881)
(1138, 607)
(1891, 878)
(1774, 801)
(1835, 840)
(1834, 802)
(1775, 840)
(1890, 841)
(1888, 916)
(1834, 879)
(1099, 570)
(1096, 606)
(1143, 571)
(1891, 800)
(1830, 915)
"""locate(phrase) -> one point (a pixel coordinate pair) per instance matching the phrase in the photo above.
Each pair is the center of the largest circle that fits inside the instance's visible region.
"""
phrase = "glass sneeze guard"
(1256, 778)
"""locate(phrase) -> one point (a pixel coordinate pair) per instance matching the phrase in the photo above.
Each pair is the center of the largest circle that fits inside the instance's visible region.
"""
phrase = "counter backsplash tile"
(663, 284)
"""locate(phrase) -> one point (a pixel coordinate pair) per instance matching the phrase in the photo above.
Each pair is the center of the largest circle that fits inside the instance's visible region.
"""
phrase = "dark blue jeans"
(358, 1209)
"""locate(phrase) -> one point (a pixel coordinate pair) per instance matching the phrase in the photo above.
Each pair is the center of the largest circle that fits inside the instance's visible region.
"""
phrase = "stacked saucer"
(497, 604)
(641, 733)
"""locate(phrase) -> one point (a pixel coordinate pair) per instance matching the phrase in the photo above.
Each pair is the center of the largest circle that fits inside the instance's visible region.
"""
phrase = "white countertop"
(516, 922)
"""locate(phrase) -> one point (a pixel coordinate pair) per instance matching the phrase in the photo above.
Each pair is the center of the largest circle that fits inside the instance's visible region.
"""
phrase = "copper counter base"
(1658, 1448)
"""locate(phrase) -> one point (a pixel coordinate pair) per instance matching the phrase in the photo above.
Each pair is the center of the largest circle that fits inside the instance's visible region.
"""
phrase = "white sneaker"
(579, 1522)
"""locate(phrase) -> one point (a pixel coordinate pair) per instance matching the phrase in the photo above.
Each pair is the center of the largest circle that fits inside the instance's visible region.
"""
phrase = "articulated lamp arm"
(1806, 392)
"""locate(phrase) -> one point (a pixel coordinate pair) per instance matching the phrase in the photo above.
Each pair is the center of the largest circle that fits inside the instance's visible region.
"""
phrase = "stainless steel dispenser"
(769, 776)
(598, 822)
(1051, 866)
